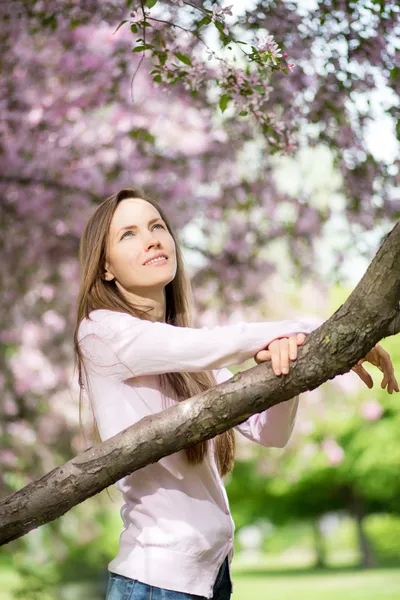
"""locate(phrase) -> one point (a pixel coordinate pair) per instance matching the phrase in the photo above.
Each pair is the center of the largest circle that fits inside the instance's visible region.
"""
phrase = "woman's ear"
(108, 276)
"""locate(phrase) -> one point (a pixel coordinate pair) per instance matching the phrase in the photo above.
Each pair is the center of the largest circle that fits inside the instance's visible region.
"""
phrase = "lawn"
(258, 584)
(381, 584)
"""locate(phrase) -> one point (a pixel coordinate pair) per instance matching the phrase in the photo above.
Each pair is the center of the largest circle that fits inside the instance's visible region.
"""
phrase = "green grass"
(295, 584)
(380, 584)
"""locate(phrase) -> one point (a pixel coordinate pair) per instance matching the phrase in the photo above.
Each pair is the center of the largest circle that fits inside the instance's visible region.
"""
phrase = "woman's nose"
(152, 240)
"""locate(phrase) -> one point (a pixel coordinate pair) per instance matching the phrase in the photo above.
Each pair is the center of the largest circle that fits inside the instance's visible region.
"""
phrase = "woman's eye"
(130, 230)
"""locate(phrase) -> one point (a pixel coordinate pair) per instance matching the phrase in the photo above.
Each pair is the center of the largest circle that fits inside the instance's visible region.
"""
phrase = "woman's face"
(137, 233)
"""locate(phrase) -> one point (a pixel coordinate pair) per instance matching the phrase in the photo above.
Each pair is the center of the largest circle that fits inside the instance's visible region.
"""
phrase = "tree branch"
(370, 313)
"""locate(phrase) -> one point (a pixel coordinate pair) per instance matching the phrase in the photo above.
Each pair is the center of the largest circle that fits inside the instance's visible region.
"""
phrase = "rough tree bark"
(371, 312)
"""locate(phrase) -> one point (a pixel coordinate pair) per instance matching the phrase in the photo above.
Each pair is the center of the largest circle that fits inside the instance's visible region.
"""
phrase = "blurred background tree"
(343, 458)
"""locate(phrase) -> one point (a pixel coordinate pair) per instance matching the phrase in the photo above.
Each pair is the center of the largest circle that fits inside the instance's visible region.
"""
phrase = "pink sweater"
(177, 524)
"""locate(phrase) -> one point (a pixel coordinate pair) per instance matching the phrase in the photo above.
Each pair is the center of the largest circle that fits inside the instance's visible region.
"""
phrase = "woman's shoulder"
(104, 321)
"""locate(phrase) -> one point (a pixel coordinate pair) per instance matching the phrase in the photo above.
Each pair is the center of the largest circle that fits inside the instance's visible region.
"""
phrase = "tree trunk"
(319, 545)
(368, 558)
(370, 313)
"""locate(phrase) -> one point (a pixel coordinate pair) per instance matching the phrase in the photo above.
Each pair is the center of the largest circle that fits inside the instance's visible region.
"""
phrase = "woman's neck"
(156, 301)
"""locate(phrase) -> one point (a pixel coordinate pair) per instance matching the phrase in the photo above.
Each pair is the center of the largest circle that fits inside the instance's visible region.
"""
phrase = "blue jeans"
(124, 588)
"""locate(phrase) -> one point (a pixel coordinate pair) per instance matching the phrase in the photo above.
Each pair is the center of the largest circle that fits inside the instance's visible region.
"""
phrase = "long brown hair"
(96, 293)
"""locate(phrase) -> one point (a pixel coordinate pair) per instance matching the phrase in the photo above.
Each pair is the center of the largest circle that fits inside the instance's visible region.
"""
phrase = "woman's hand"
(381, 359)
(281, 351)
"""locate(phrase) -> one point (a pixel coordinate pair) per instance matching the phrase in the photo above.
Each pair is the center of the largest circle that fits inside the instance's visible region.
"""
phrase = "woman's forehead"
(135, 209)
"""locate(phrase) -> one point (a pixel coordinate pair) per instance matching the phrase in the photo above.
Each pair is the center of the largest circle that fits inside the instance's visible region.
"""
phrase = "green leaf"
(394, 73)
(120, 25)
(157, 78)
(141, 48)
(150, 3)
(133, 28)
(223, 102)
(162, 56)
(141, 133)
(203, 21)
(243, 113)
(184, 58)
(50, 21)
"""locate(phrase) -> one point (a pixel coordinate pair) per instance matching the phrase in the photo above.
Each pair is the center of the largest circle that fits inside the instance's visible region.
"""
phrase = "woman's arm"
(124, 346)
(272, 427)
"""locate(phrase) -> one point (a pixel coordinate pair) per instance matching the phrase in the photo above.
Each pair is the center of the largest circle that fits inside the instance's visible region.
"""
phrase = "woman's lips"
(156, 263)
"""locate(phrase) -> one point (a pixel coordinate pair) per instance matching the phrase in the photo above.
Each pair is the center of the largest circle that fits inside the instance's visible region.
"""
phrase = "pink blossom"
(214, 212)
(195, 78)
(333, 451)
(7, 457)
(268, 44)
(9, 406)
(218, 10)
(308, 221)
(9, 336)
(22, 430)
(348, 383)
(32, 334)
(371, 410)
(51, 319)
(47, 292)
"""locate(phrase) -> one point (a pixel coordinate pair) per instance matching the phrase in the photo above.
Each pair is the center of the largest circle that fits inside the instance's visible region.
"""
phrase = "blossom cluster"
(249, 92)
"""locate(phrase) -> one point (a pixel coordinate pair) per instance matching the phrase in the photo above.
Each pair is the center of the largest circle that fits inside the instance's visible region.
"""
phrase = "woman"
(137, 354)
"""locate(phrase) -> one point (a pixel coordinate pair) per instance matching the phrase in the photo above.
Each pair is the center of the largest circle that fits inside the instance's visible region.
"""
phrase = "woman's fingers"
(300, 337)
(390, 381)
(381, 358)
(280, 352)
(293, 347)
(262, 356)
(284, 355)
(378, 357)
(385, 363)
(384, 381)
(363, 375)
(275, 349)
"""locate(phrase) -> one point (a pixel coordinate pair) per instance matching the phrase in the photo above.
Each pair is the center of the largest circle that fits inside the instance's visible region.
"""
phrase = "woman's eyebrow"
(135, 226)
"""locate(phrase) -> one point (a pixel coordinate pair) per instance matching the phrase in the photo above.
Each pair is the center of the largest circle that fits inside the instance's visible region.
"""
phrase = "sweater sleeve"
(272, 427)
(118, 344)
